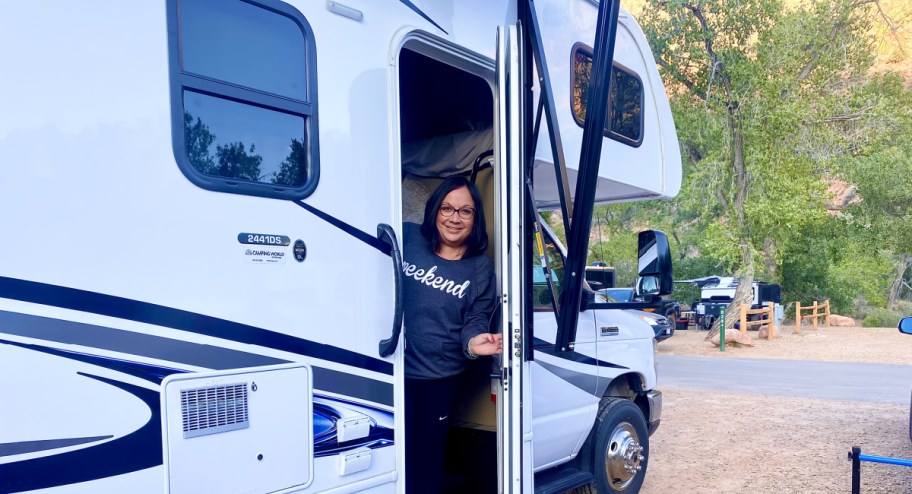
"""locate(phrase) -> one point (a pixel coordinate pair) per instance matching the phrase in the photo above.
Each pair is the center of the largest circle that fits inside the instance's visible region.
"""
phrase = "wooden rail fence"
(824, 312)
(770, 312)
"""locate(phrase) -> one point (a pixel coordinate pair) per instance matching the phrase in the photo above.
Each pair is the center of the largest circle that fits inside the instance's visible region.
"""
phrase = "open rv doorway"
(446, 121)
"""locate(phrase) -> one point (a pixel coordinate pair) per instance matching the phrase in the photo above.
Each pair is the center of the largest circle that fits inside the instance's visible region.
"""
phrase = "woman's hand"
(487, 344)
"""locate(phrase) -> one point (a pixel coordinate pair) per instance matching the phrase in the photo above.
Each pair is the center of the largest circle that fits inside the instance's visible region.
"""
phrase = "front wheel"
(620, 450)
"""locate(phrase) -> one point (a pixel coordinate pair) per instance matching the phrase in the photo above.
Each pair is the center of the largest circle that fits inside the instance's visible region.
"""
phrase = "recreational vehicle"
(202, 205)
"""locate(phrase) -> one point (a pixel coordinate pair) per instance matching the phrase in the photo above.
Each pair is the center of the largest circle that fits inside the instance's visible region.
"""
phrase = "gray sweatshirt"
(446, 304)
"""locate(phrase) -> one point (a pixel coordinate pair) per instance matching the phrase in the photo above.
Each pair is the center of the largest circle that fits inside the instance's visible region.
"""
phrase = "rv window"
(625, 99)
(244, 96)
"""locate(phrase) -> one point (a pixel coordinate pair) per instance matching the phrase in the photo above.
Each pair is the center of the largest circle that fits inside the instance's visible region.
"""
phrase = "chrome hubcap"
(623, 456)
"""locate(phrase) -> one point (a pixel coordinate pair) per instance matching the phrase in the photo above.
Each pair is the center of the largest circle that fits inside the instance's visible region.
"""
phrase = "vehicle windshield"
(618, 294)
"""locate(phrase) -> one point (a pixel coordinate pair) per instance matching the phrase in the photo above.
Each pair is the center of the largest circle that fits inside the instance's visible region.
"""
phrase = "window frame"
(181, 81)
(607, 132)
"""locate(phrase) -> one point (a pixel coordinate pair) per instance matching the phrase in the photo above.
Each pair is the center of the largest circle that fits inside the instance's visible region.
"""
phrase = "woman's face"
(454, 229)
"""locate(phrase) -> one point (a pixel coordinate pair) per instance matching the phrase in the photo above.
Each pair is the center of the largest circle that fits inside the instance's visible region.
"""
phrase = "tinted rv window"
(244, 96)
(625, 98)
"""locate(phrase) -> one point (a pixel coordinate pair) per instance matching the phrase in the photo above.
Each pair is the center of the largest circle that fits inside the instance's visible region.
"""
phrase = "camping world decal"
(262, 248)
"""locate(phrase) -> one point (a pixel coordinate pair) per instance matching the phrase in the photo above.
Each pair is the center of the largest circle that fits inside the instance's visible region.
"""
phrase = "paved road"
(879, 383)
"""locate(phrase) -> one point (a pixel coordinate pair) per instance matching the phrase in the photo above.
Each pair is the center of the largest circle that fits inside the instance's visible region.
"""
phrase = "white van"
(202, 201)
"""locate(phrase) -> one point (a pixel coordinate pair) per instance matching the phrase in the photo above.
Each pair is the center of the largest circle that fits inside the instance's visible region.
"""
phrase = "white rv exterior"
(193, 285)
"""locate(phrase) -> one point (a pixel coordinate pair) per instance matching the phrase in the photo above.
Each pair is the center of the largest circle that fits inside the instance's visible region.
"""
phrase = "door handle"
(388, 235)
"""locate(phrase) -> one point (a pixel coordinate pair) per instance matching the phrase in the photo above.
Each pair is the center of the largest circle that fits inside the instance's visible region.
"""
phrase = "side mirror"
(647, 287)
(654, 263)
(905, 325)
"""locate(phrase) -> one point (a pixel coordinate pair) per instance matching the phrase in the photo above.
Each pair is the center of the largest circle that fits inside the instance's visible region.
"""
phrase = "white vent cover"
(214, 409)
(238, 431)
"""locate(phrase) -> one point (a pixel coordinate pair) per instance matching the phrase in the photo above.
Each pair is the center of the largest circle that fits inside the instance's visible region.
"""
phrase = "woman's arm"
(476, 336)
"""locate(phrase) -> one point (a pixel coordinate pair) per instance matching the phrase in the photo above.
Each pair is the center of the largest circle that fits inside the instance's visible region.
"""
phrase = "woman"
(450, 297)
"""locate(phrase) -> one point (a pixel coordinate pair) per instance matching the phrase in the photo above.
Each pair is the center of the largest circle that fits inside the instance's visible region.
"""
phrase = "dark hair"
(477, 241)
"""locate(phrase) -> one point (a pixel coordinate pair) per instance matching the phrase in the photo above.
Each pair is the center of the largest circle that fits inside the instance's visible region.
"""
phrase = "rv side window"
(625, 99)
(243, 95)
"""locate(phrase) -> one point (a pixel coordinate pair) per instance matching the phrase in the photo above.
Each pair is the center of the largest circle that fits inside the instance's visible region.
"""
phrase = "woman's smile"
(454, 229)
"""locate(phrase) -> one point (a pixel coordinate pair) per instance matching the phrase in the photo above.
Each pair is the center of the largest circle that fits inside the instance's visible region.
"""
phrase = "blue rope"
(885, 459)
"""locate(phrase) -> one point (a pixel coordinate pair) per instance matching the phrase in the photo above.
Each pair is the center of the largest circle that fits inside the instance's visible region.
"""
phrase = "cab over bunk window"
(625, 98)
(243, 95)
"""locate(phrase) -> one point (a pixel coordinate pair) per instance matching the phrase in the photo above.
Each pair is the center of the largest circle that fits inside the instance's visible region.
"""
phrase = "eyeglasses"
(465, 213)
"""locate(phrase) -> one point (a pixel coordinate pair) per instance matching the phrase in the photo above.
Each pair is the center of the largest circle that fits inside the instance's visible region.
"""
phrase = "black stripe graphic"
(328, 380)
(117, 340)
(22, 447)
(418, 11)
(133, 310)
(543, 346)
(345, 227)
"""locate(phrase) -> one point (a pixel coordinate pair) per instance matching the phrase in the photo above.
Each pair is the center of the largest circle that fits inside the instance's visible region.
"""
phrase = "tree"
(197, 140)
(750, 81)
(236, 162)
(231, 160)
(881, 167)
(292, 170)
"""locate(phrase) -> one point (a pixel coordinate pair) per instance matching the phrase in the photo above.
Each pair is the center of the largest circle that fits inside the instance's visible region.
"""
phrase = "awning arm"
(587, 177)
(546, 102)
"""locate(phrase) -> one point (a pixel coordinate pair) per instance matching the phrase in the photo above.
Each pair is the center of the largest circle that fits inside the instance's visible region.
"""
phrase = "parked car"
(661, 325)
(905, 326)
(619, 294)
(671, 309)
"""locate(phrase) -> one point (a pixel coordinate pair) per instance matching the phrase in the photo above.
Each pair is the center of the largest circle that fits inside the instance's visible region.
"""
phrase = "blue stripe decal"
(129, 342)
(138, 450)
(345, 227)
(23, 447)
(543, 346)
(418, 11)
(152, 373)
(324, 379)
(586, 382)
(133, 310)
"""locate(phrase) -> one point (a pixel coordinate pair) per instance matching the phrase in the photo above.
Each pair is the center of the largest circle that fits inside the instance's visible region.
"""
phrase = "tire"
(708, 322)
(620, 444)
(673, 319)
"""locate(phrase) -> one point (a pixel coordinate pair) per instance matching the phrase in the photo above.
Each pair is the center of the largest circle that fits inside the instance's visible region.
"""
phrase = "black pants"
(428, 403)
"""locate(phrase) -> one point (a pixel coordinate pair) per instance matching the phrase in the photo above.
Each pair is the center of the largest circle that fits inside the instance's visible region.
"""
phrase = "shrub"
(881, 318)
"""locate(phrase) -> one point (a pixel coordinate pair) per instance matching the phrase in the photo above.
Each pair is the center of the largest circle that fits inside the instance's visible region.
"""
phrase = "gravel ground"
(743, 443)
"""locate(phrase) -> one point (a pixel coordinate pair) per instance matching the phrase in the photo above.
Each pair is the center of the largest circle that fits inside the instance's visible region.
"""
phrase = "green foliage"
(882, 318)
(793, 81)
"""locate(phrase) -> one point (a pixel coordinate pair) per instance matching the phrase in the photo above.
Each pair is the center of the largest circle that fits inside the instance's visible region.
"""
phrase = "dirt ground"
(713, 442)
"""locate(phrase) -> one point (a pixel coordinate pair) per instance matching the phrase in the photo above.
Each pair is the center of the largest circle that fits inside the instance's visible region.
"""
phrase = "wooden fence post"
(815, 317)
(771, 329)
(827, 305)
(798, 317)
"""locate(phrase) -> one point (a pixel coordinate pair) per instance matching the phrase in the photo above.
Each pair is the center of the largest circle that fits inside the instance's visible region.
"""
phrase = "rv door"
(514, 431)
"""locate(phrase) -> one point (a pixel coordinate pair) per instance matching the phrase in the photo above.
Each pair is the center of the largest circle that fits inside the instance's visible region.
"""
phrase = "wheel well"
(629, 386)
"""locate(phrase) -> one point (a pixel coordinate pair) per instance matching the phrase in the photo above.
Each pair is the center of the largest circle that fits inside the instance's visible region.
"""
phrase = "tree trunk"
(895, 287)
(743, 294)
(769, 261)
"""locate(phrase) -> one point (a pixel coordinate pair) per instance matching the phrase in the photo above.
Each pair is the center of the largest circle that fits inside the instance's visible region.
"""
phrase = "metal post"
(856, 469)
(722, 332)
